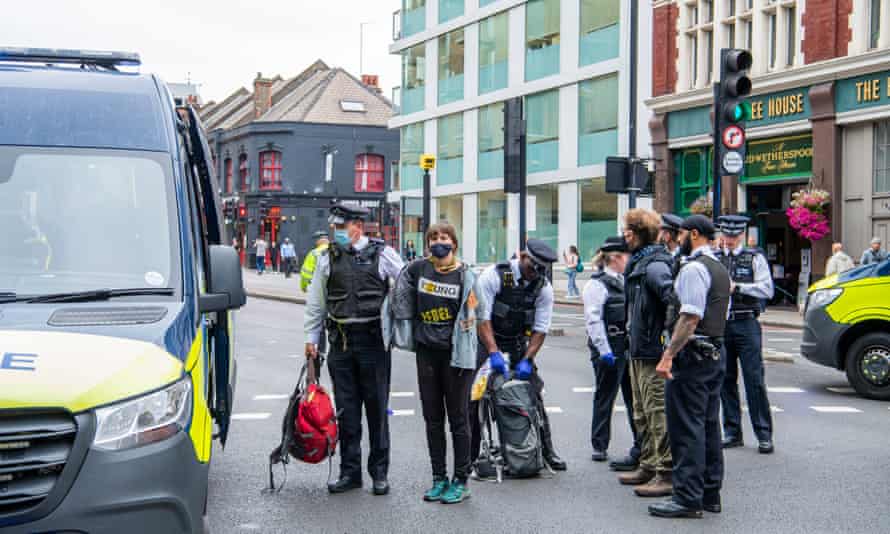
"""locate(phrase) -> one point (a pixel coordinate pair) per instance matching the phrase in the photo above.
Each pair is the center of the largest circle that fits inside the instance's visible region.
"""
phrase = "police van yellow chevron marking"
(201, 431)
(78, 372)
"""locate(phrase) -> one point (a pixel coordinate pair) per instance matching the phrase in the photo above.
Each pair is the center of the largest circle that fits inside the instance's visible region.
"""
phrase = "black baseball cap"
(701, 223)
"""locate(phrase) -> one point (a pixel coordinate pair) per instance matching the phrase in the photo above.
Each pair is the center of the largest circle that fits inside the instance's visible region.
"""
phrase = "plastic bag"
(481, 382)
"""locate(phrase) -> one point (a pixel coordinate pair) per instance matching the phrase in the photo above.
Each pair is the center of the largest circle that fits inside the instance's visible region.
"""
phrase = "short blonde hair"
(643, 223)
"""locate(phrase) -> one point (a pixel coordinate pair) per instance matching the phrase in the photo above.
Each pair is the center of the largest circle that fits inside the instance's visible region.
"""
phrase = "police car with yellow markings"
(116, 299)
(847, 326)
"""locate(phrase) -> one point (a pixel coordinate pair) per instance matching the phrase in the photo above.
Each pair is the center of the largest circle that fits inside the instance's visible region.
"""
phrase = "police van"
(116, 298)
(847, 326)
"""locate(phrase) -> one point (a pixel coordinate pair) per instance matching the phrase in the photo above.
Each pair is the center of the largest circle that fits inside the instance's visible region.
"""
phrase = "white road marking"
(835, 409)
(780, 340)
(621, 408)
(842, 390)
(401, 394)
(784, 390)
(773, 408)
(587, 389)
(250, 416)
(270, 397)
(402, 412)
(295, 356)
(553, 409)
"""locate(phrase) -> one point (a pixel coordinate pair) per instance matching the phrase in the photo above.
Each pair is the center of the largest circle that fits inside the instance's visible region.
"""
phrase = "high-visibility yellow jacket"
(308, 268)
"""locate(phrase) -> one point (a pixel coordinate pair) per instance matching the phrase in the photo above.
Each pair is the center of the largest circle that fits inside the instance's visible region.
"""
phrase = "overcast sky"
(221, 44)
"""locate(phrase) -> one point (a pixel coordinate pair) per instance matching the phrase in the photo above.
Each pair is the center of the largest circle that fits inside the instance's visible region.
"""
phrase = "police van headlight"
(149, 419)
(823, 297)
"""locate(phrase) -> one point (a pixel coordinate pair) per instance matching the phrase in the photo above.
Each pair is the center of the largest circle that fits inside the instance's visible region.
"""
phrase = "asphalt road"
(828, 475)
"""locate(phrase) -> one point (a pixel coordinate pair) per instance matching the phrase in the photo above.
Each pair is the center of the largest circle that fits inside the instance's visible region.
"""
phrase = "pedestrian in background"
(873, 254)
(438, 295)
(288, 256)
(606, 318)
(572, 259)
(839, 261)
(261, 250)
(692, 364)
(752, 282)
(409, 253)
(649, 290)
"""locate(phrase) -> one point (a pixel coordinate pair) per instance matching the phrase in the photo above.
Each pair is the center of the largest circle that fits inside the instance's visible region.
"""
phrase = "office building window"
(370, 173)
(541, 38)
(597, 120)
(491, 142)
(874, 16)
(543, 214)
(493, 53)
(599, 211)
(542, 116)
(882, 157)
(599, 30)
(411, 148)
(451, 67)
(243, 172)
(413, 17)
(413, 79)
(491, 224)
(451, 209)
(270, 170)
(450, 164)
(450, 9)
(229, 177)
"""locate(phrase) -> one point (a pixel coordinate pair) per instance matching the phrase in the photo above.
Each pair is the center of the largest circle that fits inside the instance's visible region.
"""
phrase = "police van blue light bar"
(59, 55)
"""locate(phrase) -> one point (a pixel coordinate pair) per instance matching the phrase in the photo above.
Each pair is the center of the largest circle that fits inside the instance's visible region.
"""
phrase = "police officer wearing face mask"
(346, 294)
(515, 312)
(692, 364)
(751, 283)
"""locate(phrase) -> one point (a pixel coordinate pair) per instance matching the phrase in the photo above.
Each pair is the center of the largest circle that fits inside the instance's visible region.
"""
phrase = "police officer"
(692, 364)
(515, 312)
(346, 294)
(751, 283)
(606, 318)
(669, 231)
(309, 263)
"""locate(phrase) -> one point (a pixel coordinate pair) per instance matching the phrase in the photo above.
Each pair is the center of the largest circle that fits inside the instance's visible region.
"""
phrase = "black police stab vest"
(513, 311)
(741, 270)
(355, 289)
(614, 313)
(714, 322)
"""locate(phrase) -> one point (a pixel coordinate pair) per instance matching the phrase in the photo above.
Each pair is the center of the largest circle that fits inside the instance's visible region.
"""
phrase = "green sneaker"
(457, 492)
(434, 494)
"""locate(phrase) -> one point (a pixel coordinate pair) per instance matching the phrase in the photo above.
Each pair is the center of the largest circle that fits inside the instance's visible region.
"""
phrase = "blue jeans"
(260, 263)
(573, 289)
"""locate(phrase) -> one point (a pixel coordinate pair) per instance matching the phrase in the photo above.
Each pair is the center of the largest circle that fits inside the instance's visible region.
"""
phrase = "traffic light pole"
(523, 191)
(632, 104)
(716, 171)
(427, 201)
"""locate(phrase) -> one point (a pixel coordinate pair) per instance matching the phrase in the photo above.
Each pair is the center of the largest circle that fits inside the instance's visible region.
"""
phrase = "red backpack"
(309, 428)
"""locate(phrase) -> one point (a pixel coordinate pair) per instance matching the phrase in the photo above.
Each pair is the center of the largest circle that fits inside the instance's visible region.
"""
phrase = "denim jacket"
(400, 311)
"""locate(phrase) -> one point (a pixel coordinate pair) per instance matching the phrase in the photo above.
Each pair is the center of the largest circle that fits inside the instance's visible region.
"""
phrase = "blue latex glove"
(524, 370)
(609, 358)
(498, 364)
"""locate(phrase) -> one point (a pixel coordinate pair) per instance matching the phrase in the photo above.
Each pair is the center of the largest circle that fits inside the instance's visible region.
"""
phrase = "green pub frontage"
(833, 135)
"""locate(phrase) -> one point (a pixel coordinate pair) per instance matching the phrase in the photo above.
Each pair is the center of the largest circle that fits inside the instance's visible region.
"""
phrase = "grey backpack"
(519, 428)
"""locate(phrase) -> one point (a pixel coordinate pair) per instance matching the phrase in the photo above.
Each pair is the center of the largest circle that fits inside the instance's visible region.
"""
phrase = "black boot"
(550, 456)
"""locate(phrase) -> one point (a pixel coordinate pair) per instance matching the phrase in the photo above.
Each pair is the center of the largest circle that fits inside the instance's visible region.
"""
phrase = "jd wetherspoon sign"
(779, 158)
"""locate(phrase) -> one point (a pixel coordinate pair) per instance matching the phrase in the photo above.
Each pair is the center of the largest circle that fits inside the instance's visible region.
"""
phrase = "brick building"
(298, 144)
(820, 115)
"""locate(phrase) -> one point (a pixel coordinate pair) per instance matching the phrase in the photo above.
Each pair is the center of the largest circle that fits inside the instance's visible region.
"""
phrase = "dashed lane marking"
(585, 389)
(399, 413)
(270, 397)
(621, 408)
(780, 340)
(250, 416)
(773, 408)
(553, 409)
(835, 409)
(784, 390)
(401, 394)
(842, 390)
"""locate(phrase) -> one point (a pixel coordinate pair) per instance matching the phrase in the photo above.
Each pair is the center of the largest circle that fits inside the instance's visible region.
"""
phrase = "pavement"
(826, 475)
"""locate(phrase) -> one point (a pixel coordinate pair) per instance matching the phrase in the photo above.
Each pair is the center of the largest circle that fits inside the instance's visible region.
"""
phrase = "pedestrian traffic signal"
(264, 209)
(242, 211)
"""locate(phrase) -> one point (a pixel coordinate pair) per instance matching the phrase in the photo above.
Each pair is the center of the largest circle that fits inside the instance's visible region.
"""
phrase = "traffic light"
(731, 111)
(242, 211)
(514, 145)
(264, 210)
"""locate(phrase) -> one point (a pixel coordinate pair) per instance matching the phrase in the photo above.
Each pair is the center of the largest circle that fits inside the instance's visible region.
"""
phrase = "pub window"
(882, 157)
(270, 170)
(369, 173)
(699, 29)
(874, 16)
(228, 164)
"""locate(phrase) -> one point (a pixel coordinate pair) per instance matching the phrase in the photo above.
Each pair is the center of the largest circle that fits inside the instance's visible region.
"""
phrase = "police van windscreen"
(81, 219)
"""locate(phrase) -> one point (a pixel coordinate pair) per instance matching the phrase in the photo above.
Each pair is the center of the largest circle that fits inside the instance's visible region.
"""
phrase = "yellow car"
(847, 326)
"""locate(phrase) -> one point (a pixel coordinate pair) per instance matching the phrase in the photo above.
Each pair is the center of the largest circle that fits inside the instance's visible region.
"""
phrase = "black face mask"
(441, 250)
(686, 246)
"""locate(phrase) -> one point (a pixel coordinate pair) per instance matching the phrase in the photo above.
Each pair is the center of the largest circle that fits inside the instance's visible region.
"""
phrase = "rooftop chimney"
(372, 81)
(262, 95)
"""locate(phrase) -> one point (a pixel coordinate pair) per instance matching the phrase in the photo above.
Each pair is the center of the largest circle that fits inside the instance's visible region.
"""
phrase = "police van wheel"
(868, 366)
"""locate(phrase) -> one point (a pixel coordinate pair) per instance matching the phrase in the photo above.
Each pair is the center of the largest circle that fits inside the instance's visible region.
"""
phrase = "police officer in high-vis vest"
(346, 295)
(606, 318)
(751, 283)
(515, 312)
(308, 268)
(692, 364)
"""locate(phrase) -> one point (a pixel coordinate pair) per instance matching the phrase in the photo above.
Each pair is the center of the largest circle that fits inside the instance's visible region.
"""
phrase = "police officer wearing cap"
(350, 282)
(668, 232)
(692, 363)
(751, 283)
(515, 312)
(606, 319)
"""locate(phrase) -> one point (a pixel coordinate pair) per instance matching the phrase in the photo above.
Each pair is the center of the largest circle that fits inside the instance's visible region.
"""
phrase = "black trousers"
(743, 346)
(445, 389)
(361, 373)
(608, 379)
(692, 404)
(517, 353)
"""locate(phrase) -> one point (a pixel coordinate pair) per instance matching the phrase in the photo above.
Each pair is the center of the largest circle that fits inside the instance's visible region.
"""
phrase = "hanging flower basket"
(702, 206)
(808, 213)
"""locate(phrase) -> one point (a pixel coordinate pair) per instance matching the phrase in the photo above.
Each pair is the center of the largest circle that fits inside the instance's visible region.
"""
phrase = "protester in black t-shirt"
(445, 339)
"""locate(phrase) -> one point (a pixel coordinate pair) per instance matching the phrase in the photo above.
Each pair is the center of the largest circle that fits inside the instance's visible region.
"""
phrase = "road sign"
(733, 137)
(733, 162)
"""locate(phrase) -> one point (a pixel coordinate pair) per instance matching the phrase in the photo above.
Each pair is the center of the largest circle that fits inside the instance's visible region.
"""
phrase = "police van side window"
(197, 223)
